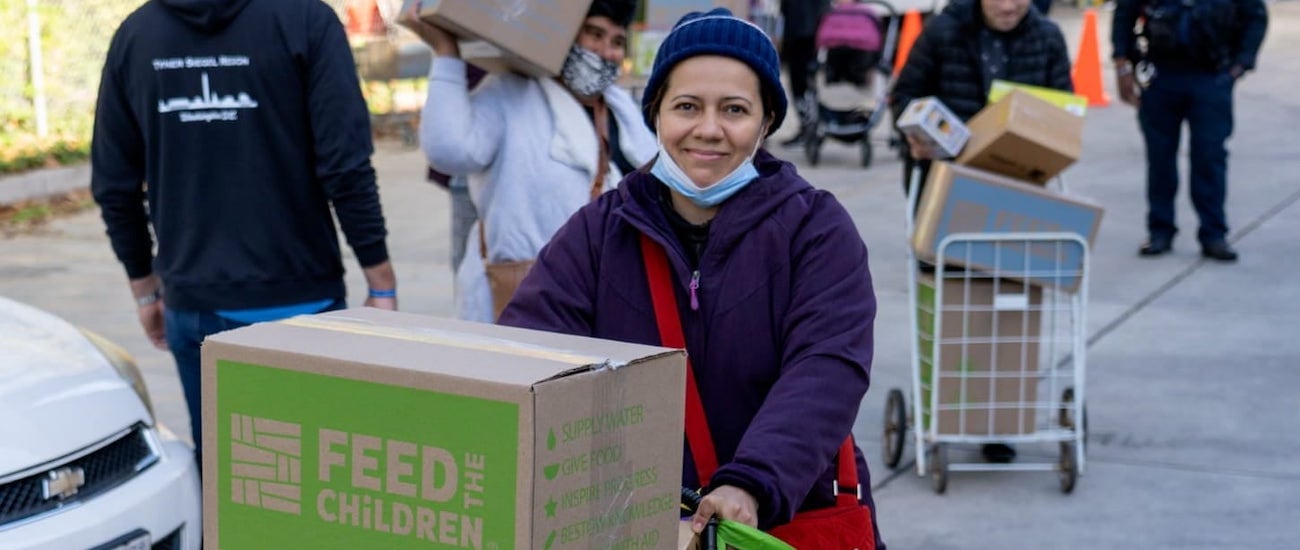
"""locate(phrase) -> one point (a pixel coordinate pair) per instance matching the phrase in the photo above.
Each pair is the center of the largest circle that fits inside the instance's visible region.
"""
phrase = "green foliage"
(74, 40)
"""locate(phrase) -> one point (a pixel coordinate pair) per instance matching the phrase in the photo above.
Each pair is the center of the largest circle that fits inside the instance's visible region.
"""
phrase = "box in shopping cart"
(987, 335)
(532, 37)
(961, 199)
(1023, 136)
(373, 429)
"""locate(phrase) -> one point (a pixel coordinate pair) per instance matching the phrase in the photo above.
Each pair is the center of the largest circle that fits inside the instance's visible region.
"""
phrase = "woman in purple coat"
(770, 275)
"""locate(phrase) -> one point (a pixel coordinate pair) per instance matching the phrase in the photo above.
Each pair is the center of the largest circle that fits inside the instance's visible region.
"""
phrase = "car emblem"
(63, 482)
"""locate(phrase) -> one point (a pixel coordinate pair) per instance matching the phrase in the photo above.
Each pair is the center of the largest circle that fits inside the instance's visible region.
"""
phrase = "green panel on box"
(925, 336)
(315, 461)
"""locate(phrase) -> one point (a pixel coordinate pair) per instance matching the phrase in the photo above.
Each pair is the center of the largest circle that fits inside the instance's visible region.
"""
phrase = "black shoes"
(1220, 251)
(1156, 246)
(795, 141)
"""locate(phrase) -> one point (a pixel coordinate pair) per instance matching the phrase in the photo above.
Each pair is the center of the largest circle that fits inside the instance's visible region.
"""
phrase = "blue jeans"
(1204, 101)
(185, 333)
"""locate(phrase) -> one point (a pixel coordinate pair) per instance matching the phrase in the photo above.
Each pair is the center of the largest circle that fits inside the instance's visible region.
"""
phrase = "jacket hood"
(968, 14)
(777, 181)
(206, 15)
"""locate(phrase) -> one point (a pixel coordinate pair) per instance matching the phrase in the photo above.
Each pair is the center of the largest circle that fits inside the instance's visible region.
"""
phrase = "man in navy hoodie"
(231, 128)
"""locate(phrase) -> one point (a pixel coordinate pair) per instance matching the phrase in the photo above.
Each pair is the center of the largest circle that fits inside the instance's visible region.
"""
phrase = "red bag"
(846, 525)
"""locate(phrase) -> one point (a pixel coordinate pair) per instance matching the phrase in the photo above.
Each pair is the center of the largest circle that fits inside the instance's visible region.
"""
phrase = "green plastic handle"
(744, 537)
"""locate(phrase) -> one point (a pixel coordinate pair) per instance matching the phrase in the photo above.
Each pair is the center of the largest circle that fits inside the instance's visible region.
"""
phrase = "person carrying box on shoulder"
(535, 148)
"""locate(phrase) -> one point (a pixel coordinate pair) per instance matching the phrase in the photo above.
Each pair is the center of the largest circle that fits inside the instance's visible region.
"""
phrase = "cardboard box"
(373, 429)
(988, 353)
(527, 36)
(929, 120)
(1023, 137)
(960, 199)
(1074, 103)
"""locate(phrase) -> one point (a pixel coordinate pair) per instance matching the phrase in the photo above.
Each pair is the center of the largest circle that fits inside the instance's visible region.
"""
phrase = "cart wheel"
(812, 148)
(939, 467)
(1066, 415)
(866, 151)
(1069, 467)
(895, 436)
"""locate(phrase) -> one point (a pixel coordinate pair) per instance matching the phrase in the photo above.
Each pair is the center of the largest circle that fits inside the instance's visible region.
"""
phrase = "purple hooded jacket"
(781, 341)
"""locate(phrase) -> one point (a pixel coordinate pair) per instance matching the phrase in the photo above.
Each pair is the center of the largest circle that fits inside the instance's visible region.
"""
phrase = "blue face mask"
(671, 174)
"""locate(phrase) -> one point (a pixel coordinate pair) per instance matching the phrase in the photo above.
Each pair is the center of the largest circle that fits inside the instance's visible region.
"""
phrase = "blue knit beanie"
(718, 32)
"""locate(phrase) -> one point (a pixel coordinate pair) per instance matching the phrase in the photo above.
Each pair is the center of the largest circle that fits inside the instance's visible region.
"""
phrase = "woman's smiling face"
(711, 117)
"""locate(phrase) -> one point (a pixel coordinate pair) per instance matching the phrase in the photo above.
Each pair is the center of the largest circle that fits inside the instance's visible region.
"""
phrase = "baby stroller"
(851, 79)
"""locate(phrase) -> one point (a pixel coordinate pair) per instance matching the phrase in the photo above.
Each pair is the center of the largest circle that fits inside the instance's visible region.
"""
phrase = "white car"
(83, 464)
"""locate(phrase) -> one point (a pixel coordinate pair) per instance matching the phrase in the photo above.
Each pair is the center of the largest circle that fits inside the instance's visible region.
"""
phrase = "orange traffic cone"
(906, 37)
(1087, 68)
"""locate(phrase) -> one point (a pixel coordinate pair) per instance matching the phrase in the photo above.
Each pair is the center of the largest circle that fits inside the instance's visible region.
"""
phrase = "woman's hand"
(729, 503)
(443, 43)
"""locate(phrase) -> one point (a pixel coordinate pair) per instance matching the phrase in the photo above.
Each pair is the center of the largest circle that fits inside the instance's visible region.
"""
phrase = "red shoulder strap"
(659, 276)
(698, 437)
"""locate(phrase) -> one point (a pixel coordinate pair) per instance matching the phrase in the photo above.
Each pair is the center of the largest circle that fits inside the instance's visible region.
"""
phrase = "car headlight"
(124, 364)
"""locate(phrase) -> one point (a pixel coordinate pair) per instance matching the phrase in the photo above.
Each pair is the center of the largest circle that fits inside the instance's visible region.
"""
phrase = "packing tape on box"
(461, 340)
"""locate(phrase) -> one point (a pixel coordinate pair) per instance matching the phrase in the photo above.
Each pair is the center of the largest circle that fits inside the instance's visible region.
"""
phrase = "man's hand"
(729, 503)
(1129, 90)
(918, 149)
(149, 289)
(382, 280)
(443, 43)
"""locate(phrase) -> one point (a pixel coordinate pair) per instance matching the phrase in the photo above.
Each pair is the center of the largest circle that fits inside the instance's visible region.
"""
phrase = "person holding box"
(723, 249)
(535, 149)
(963, 49)
(956, 58)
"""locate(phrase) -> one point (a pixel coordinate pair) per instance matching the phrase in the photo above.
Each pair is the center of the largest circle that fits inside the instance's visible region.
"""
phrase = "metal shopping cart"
(999, 353)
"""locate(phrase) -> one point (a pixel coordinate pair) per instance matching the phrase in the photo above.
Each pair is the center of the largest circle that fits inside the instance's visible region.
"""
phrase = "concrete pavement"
(1191, 371)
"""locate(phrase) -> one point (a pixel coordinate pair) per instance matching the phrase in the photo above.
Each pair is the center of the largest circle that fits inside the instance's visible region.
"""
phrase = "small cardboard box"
(929, 120)
(1024, 137)
(988, 346)
(373, 429)
(526, 36)
(960, 199)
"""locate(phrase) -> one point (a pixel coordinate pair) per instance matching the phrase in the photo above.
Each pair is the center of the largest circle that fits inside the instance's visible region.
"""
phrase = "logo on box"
(266, 464)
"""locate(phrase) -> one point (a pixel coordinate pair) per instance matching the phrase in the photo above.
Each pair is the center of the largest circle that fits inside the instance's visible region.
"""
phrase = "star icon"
(550, 508)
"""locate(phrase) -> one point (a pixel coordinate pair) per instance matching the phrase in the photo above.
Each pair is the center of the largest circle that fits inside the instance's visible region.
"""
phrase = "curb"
(43, 183)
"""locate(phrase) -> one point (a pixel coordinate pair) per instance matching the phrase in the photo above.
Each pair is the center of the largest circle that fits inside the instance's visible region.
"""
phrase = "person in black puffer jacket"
(963, 49)
(958, 55)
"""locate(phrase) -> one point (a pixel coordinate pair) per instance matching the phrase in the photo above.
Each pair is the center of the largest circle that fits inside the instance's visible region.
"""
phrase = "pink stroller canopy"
(850, 26)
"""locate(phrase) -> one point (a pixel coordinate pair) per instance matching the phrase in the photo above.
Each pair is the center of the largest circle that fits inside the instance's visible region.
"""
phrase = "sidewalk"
(1191, 372)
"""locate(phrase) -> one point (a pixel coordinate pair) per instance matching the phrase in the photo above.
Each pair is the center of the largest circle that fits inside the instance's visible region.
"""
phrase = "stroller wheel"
(866, 151)
(812, 148)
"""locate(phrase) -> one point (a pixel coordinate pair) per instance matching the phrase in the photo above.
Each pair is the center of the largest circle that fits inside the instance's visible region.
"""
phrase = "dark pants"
(185, 333)
(799, 53)
(1204, 101)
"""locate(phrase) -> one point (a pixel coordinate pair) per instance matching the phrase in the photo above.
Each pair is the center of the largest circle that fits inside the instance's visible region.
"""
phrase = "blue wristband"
(390, 293)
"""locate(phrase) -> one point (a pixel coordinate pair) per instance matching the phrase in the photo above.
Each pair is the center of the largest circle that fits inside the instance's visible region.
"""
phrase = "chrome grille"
(104, 465)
